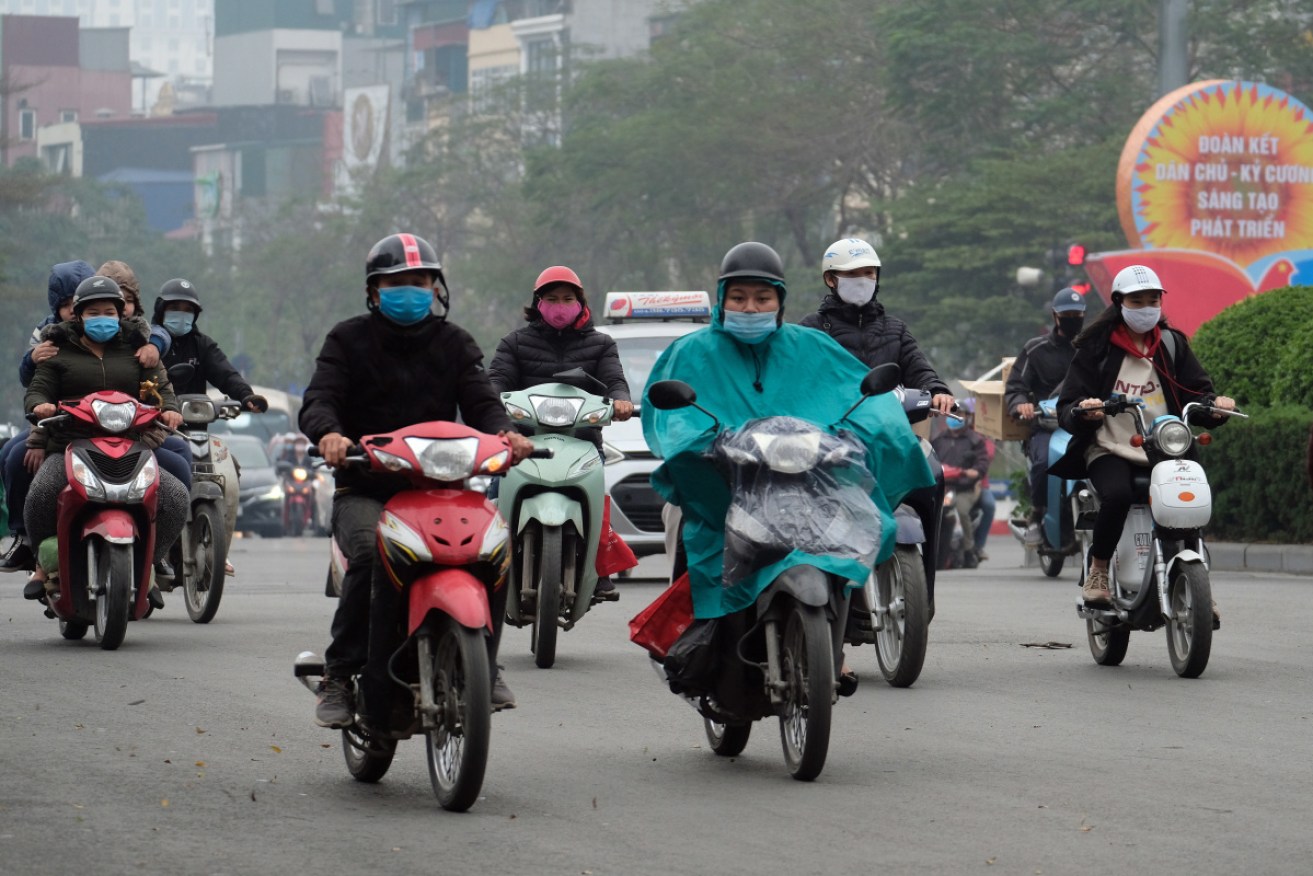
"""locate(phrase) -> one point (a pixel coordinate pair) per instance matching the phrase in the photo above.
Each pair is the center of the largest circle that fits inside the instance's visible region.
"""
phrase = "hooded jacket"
(64, 280)
(794, 372)
(374, 376)
(875, 338)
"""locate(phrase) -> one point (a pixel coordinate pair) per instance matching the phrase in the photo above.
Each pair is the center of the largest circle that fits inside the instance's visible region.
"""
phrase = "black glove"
(257, 403)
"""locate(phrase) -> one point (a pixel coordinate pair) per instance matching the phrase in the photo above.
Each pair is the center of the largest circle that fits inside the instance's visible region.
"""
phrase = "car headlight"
(445, 459)
(552, 411)
(114, 417)
(403, 545)
(86, 476)
(274, 493)
(1173, 438)
(141, 483)
(611, 454)
(790, 454)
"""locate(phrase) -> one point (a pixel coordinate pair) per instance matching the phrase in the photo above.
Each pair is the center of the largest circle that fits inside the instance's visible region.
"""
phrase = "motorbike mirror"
(580, 379)
(670, 395)
(881, 379)
(182, 372)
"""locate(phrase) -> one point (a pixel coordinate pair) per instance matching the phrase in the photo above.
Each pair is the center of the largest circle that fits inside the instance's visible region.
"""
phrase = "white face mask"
(1143, 319)
(855, 290)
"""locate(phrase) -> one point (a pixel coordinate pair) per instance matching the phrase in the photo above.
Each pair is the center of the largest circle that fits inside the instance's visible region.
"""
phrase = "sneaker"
(333, 709)
(35, 588)
(502, 698)
(1096, 589)
(1034, 538)
(19, 557)
(605, 590)
(981, 556)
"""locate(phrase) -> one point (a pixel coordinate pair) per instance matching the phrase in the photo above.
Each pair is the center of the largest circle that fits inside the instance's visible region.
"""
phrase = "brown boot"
(1095, 591)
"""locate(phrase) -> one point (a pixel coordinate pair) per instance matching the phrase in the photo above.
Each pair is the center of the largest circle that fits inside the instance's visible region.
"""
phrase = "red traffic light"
(1076, 255)
(1082, 288)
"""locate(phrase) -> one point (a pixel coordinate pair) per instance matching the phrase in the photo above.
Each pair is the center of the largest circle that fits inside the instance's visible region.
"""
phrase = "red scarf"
(1121, 337)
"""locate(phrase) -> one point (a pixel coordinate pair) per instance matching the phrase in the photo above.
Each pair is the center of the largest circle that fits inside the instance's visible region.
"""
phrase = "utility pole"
(1173, 45)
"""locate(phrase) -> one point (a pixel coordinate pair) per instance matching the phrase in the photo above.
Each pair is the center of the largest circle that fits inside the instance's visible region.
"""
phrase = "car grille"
(116, 471)
(639, 502)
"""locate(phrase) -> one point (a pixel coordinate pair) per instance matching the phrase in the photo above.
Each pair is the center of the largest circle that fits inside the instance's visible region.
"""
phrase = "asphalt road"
(191, 750)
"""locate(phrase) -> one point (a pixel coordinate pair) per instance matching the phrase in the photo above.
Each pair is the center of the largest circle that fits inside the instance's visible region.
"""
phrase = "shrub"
(1256, 468)
(1260, 350)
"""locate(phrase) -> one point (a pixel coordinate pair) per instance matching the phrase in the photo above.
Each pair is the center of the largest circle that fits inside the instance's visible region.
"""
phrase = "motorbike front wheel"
(1051, 564)
(367, 757)
(204, 588)
(551, 556)
(110, 573)
(807, 664)
(1190, 626)
(462, 692)
(72, 629)
(900, 645)
(727, 740)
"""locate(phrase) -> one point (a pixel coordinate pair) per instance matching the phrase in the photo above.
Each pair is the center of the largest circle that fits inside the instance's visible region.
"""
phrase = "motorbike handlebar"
(542, 453)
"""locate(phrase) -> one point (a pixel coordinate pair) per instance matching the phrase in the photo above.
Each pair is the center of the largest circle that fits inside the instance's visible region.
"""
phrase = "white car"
(643, 325)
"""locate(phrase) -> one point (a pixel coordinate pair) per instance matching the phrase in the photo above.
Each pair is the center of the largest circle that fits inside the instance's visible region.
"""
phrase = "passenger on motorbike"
(749, 363)
(560, 337)
(1126, 350)
(401, 363)
(1035, 376)
(94, 355)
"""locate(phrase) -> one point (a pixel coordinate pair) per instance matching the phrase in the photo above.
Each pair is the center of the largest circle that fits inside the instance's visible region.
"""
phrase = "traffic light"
(1076, 255)
(1082, 287)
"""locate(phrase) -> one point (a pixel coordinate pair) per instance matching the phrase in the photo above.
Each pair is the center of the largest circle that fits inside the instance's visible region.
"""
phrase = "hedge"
(1256, 468)
(1259, 351)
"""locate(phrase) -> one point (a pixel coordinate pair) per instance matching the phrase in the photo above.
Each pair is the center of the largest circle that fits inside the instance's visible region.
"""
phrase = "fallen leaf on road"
(200, 763)
(990, 861)
(276, 749)
(1051, 646)
(165, 803)
(325, 745)
(594, 802)
(200, 730)
(166, 760)
(136, 702)
(252, 795)
(78, 806)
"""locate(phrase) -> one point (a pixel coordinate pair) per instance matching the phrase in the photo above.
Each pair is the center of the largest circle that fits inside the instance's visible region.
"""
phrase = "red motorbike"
(298, 499)
(106, 518)
(446, 549)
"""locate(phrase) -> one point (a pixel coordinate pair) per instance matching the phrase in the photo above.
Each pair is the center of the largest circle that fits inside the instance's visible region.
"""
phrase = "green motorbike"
(554, 508)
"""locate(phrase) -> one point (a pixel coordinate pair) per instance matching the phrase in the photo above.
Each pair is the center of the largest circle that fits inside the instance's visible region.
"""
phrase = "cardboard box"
(992, 418)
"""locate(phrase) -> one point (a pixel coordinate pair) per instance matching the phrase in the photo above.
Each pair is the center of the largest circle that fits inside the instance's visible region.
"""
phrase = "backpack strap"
(1169, 345)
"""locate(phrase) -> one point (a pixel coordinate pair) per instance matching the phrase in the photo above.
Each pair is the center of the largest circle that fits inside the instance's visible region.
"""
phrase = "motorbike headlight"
(274, 493)
(114, 417)
(553, 411)
(516, 412)
(404, 546)
(391, 461)
(1173, 438)
(790, 454)
(300, 474)
(86, 476)
(611, 453)
(141, 483)
(445, 459)
(198, 412)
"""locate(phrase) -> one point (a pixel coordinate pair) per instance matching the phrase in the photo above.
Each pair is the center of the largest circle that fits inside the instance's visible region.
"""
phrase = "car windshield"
(637, 356)
(250, 454)
(263, 426)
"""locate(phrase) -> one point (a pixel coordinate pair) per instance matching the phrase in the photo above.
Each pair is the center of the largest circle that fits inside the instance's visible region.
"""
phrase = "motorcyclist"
(749, 363)
(1124, 351)
(1035, 376)
(401, 363)
(177, 309)
(962, 453)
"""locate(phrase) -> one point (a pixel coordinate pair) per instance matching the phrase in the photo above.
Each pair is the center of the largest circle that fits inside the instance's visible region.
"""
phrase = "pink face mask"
(558, 315)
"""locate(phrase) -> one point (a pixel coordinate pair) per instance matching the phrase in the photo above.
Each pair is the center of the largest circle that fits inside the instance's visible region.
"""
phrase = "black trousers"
(1111, 477)
(1037, 453)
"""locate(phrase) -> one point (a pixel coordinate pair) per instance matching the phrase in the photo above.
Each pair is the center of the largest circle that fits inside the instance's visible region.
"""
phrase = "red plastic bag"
(656, 627)
(613, 555)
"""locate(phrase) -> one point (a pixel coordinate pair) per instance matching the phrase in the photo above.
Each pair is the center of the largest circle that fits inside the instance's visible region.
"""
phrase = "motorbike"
(1159, 573)
(202, 550)
(106, 518)
(298, 499)
(794, 487)
(444, 547)
(1058, 533)
(893, 610)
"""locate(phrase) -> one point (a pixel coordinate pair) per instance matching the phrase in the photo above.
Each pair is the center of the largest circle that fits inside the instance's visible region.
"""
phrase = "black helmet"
(752, 259)
(178, 289)
(403, 252)
(96, 289)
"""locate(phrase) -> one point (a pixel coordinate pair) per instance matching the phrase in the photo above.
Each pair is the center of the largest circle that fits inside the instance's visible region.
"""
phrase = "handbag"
(613, 555)
(656, 627)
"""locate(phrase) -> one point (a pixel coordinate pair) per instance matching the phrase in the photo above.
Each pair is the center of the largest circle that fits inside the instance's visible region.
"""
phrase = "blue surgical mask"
(405, 305)
(179, 322)
(954, 423)
(100, 328)
(751, 328)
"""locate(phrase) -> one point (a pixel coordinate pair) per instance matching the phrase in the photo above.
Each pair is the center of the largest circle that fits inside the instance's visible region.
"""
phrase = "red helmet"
(556, 274)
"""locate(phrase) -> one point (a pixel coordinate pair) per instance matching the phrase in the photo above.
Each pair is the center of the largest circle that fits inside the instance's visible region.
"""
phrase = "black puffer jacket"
(374, 376)
(212, 366)
(1038, 370)
(875, 338)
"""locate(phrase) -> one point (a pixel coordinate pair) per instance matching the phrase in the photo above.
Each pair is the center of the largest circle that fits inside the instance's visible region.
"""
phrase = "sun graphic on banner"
(1225, 167)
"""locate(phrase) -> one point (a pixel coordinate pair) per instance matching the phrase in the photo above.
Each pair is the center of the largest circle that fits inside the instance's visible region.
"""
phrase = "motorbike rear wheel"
(1107, 644)
(554, 543)
(110, 574)
(900, 646)
(727, 740)
(367, 757)
(807, 664)
(1051, 564)
(1190, 626)
(203, 589)
(462, 691)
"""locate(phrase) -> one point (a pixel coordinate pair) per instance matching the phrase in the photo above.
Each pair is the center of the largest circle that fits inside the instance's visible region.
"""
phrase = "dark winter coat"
(1038, 370)
(961, 449)
(64, 280)
(375, 376)
(76, 372)
(212, 366)
(875, 338)
(532, 354)
(1093, 374)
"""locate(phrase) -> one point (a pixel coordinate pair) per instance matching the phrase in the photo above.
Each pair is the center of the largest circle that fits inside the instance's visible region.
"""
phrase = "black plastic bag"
(692, 663)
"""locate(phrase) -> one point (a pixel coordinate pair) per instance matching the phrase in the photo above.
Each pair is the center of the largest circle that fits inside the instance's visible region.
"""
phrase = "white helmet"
(1135, 278)
(850, 254)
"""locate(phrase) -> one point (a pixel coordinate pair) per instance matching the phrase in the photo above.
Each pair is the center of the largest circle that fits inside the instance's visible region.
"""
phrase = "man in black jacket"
(1035, 376)
(397, 365)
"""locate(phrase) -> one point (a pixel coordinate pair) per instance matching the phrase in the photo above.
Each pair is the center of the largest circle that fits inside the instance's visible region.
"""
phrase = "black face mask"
(1071, 326)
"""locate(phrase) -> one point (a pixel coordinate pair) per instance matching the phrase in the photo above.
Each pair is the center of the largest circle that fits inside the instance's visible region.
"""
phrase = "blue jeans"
(986, 504)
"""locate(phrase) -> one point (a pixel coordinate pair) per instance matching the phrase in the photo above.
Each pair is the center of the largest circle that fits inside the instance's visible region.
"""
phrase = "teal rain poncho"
(798, 372)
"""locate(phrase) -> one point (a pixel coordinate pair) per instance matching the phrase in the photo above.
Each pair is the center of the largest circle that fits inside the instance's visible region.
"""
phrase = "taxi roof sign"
(695, 306)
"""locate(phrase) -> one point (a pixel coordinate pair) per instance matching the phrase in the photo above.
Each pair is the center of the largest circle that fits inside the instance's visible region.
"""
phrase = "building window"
(27, 124)
(387, 12)
(540, 56)
(68, 115)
